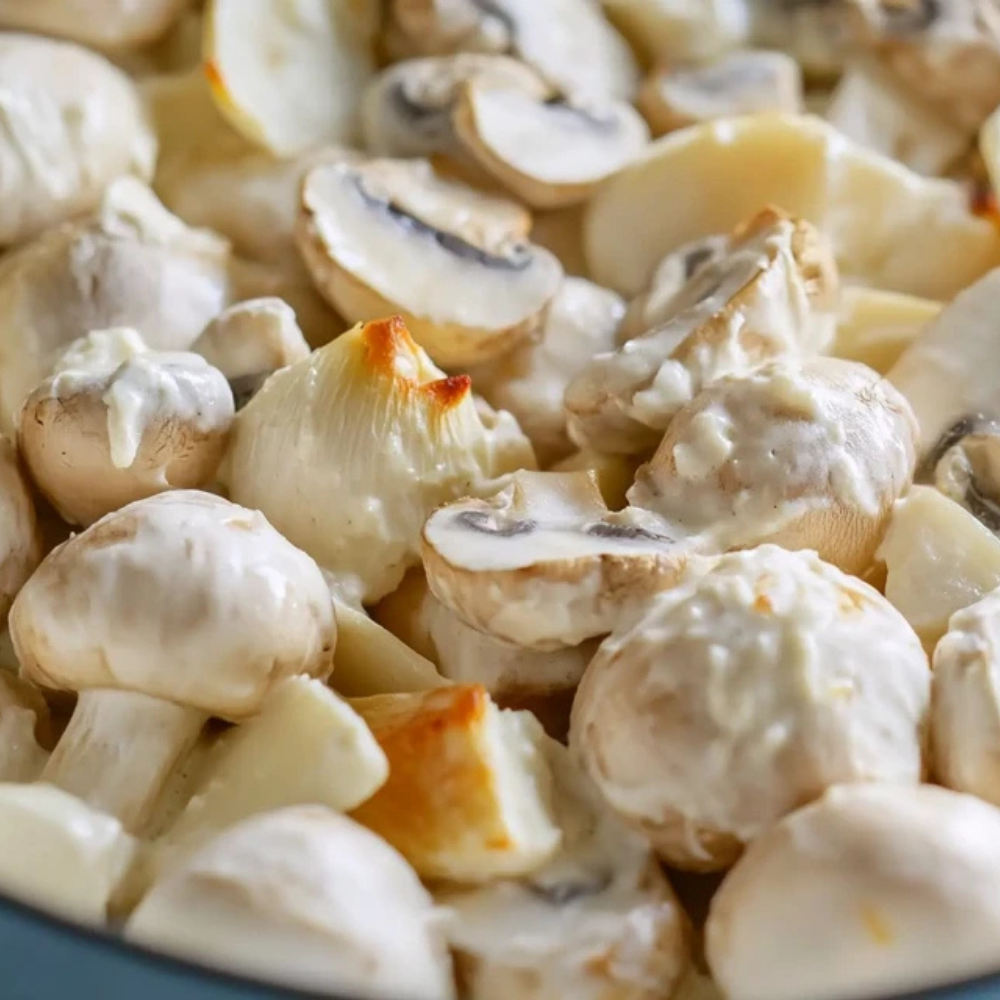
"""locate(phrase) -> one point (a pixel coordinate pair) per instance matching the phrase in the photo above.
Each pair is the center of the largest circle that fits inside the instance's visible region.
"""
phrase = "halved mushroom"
(530, 380)
(598, 921)
(548, 151)
(289, 76)
(543, 564)
(808, 457)
(251, 610)
(26, 733)
(21, 541)
(301, 451)
(73, 124)
(302, 897)
(468, 797)
(407, 109)
(98, 437)
(938, 558)
(569, 43)
(888, 226)
(663, 725)
(739, 83)
(388, 236)
(874, 890)
(772, 294)
(131, 264)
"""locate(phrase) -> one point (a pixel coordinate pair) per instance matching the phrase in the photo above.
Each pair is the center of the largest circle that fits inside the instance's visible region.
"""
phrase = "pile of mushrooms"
(502, 499)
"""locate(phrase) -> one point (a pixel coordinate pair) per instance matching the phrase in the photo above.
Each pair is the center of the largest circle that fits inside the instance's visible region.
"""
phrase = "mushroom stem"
(119, 749)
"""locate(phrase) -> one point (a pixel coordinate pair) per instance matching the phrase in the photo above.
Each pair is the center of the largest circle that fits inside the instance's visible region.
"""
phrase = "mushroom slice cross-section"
(388, 236)
(549, 152)
(772, 294)
(544, 564)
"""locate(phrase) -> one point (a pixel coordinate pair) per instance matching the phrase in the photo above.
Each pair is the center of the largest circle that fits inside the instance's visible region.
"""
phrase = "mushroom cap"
(96, 439)
(388, 236)
(212, 607)
(598, 921)
(744, 691)
(737, 83)
(313, 428)
(305, 897)
(130, 264)
(548, 151)
(808, 456)
(543, 564)
(21, 545)
(874, 889)
(888, 226)
(290, 77)
(771, 294)
(53, 168)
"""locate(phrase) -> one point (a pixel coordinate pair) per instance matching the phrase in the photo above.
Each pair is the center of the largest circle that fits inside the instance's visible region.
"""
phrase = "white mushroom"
(738, 83)
(874, 890)
(530, 380)
(772, 294)
(468, 797)
(388, 236)
(212, 609)
(26, 733)
(302, 452)
(888, 226)
(58, 853)
(745, 691)
(543, 564)
(569, 43)
(289, 75)
(98, 436)
(73, 123)
(808, 457)
(306, 898)
(599, 921)
(20, 535)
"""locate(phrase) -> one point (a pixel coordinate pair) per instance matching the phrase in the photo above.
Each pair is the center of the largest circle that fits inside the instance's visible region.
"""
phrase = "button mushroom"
(743, 692)
(873, 890)
(311, 433)
(888, 227)
(387, 236)
(809, 456)
(306, 898)
(771, 294)
(98, 437)
(543, 564)
(468, 797)
(739, 83)
(212, 608)
(598, 921)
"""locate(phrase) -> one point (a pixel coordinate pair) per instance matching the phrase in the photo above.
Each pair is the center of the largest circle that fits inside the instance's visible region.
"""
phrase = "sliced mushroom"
(808, 457)
(96, 438)
(407, 109)
(888, 227)
(549, 152)
(131, 264)
(252, 610)
(664, 726)
(387, 236)
(530, 380)
(468, 797)
(739, 83)
(598, 921)
(26, 732)
(73, 124)
(313, 428)
(875, 890)
(938, 558)
(771, 294)
(21, 541)
(289, 76)
(569, 43)
(305, 898)
(543, 564)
